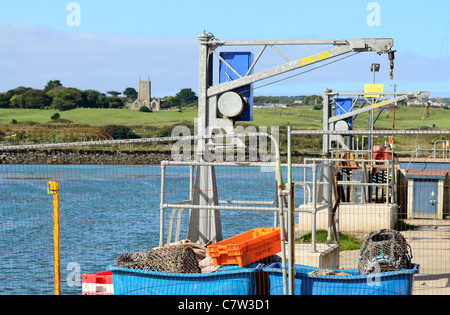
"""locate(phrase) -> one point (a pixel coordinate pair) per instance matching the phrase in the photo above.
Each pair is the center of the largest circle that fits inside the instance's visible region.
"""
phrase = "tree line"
(56, 96)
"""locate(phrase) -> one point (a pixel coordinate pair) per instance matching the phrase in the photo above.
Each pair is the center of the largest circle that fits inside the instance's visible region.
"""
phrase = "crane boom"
(389, 102)
(340, 47)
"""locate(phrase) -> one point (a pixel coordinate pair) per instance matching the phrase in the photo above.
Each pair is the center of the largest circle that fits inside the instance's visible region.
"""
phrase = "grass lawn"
(100, 116)
(299, 117)
(302, 116)
(346, 242)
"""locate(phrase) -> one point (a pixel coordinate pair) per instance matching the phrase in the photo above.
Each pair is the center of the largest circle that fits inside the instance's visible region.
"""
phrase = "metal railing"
(225, 205)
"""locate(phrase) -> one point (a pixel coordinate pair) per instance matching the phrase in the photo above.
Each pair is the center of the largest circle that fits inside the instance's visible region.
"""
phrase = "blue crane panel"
(240, 61)
(344, 106)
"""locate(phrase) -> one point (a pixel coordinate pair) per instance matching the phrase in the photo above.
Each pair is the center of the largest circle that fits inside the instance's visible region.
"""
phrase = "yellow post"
(53, 188)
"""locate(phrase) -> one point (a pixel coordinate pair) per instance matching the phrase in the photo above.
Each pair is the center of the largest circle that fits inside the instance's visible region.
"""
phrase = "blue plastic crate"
(228, 280)
(384, 283)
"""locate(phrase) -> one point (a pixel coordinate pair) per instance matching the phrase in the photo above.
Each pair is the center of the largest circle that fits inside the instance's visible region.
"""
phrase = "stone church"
(144, 97)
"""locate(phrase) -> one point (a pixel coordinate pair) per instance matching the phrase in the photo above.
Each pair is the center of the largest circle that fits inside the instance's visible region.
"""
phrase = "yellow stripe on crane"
(384, 103)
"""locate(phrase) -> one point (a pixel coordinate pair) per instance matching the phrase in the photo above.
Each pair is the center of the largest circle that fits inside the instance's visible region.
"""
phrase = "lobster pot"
(382, 251)
(175, 259)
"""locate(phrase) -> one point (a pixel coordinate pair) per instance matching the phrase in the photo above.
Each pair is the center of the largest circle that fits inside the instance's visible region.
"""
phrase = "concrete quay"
(430, 245)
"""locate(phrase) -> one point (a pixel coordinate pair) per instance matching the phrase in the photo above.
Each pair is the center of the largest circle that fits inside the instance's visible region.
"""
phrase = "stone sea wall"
(99, 157)
(45, 157)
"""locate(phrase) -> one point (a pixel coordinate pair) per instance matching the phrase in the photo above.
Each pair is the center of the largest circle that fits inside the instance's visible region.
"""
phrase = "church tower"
(144, 93)
(145, 97)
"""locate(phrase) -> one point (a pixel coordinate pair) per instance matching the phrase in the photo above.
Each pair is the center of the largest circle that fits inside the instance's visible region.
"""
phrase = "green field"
(35, 126)
(300, 117)
(304, 117)
(98, 117)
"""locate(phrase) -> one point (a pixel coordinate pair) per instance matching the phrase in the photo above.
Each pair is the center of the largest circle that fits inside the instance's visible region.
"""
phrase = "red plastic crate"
(246, 248)
(100, 283)
(381, 152)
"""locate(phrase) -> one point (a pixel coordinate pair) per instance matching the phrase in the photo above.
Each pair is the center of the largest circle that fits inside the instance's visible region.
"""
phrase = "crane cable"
(297, 74)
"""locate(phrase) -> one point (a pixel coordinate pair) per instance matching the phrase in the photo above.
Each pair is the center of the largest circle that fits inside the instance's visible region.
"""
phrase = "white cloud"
(31, 56)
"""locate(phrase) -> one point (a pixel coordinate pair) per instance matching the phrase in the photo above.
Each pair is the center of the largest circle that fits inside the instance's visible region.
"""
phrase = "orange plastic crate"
(246, 248)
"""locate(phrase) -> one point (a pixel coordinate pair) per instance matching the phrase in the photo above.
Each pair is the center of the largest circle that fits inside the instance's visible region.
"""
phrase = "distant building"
(437, 103)
(144, 97)
(415, 102)
(271, 105)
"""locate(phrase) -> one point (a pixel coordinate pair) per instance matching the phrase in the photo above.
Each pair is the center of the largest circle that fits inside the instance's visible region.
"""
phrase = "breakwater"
(79, 157)
(98, 157)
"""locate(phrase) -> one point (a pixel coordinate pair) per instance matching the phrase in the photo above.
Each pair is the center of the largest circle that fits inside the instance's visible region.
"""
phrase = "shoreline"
(81, 157)
(94, 157)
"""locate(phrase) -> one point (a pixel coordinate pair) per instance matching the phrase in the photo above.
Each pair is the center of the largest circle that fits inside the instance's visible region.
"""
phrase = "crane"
(339, 122)
(220, 105)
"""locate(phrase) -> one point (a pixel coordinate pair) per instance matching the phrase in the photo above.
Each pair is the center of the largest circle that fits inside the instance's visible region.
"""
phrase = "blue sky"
(119, 40)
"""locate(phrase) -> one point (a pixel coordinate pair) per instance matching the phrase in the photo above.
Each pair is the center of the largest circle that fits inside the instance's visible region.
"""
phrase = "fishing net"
(382, 251)
(328, 272)
(174, 259)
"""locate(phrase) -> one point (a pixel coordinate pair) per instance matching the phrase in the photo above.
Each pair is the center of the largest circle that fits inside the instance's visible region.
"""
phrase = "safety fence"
(113, 214)
(385, 180)
(109, 210)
